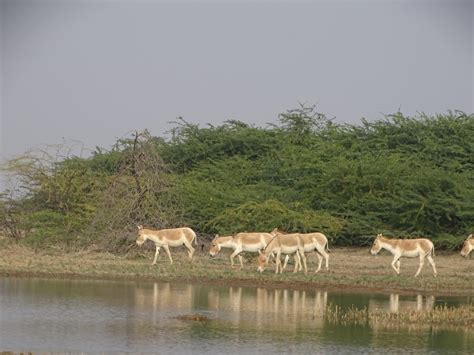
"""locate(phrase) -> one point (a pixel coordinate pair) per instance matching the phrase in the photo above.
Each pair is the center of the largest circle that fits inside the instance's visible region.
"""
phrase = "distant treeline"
(403, 176)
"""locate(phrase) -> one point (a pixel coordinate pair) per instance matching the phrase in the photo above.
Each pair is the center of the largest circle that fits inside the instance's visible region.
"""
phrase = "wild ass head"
(141, 235)
(377, 245)
(215, 246)
(262, 261)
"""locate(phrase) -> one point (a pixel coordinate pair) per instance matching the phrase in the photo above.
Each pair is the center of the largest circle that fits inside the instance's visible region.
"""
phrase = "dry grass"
(351, 269)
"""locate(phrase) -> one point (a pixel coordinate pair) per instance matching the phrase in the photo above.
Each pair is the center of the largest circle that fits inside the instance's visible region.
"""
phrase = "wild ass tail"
(327, 246)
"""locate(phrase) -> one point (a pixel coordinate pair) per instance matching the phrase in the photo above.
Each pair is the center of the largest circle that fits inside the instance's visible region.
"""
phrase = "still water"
(110, 316)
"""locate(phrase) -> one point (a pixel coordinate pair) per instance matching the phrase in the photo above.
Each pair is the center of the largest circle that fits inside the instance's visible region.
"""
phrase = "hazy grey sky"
(94, 70)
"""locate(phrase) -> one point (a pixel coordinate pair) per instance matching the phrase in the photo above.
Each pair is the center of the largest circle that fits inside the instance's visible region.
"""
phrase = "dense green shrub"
(404, 176)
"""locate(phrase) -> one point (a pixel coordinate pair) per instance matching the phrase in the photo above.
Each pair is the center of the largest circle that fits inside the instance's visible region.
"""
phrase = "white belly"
(252, 247)
(288, 249)
(169, 242)
(411, 253)
(309, 247)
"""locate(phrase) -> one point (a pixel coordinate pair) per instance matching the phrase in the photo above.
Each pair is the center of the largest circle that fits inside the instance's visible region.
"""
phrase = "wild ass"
(312, 242)
(282, 244)
(410, 248)
(251, 242)
(468, 245)
(168, 238)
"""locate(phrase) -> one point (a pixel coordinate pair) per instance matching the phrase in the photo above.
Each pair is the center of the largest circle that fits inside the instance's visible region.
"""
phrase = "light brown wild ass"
(168, 238)
(287, 244)
(410, 248)
(468, 245)
(250, 242)
(312, 242)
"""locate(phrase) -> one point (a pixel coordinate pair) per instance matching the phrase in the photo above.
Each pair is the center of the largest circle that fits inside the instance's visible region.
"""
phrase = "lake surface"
(42, 315)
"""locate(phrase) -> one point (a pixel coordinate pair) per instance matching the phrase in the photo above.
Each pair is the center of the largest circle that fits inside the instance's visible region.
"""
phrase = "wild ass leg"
(321, 251)
(278, 263)
(156, 255)
(301, 251)
(298, 266)
(320, 262)
(422, 261)
(236, 252)
(430, 259)
(241, 259)
(190, 249)
(167, 248)
(298, 260)
(287, 257)
(326, 257)
(396, 261)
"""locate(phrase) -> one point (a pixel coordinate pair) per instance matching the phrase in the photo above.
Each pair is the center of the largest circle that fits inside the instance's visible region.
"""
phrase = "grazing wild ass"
(282, 244)
(312, 242)
(251, 242)
(468, 245)
(410, 248)
(168, 238)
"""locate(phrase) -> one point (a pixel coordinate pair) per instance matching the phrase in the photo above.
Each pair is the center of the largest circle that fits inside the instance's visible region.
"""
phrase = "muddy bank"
(238, 282)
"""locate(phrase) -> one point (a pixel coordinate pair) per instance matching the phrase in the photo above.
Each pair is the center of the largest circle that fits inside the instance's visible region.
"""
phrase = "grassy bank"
(351, 270)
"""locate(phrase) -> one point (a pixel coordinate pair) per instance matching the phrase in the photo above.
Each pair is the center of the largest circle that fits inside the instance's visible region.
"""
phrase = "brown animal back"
(288, 239)
(173, 233)
(412, 244)
(319, 237)
(252, 238)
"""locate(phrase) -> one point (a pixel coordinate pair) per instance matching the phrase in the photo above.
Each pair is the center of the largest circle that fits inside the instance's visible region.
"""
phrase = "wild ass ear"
(470, 236)
(140, 227)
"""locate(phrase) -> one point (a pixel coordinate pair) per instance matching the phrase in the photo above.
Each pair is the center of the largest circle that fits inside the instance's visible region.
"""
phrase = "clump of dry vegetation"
(440, 317)
(193, 317)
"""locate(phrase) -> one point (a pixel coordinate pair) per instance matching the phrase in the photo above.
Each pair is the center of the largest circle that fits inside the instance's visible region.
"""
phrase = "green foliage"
(51, 228)
(269, 214)
(191, 145)
(407, 176)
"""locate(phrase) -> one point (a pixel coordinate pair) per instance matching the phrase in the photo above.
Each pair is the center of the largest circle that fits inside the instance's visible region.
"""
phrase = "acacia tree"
(10, 216)
(50, 194)
(303, 121)
(138, 193)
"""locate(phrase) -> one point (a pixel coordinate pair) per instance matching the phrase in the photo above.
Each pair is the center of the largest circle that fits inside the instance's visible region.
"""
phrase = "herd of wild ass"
(276, 243)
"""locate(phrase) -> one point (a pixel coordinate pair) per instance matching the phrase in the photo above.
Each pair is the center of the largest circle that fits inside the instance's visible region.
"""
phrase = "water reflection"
(141, 316)
(269, 308)
(394, 304)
